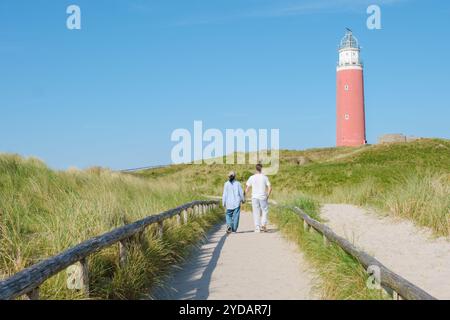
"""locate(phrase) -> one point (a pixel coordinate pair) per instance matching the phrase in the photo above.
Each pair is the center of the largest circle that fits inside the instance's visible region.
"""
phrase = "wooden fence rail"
(27, 281)
(399, 287)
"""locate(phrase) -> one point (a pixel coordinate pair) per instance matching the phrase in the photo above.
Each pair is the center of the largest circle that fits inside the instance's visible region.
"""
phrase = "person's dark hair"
(259, 167)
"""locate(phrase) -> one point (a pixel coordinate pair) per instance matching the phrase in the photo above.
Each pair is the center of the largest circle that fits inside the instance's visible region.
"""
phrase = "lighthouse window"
(346, 116)
(346, 87)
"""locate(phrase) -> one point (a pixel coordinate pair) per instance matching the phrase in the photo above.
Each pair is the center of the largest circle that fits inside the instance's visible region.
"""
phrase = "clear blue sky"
(112, 93)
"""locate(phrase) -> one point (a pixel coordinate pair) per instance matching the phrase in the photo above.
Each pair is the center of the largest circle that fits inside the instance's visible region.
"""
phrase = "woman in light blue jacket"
(233, 196)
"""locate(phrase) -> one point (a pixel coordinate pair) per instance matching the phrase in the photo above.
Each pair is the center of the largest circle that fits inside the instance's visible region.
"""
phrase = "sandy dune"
(245, 265)
(407, 250)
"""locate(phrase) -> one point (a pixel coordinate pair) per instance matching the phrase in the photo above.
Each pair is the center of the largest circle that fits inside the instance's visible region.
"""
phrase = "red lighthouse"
(350, 117)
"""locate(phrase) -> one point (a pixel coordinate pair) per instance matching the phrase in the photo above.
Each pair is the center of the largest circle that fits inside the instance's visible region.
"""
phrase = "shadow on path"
(202, 285)
(193, 279)
(243, 265)
(253, 231)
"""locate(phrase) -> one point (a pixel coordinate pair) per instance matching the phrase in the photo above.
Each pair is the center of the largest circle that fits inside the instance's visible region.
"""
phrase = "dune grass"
(409, 180)
(423, 198)
(386, 177)
(43, 212)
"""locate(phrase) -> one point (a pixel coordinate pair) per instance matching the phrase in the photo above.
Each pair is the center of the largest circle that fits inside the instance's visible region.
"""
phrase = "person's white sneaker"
(257, 230)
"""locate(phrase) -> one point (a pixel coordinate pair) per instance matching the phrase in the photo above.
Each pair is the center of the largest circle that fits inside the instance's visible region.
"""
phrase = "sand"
(245, 265)
(409, 251)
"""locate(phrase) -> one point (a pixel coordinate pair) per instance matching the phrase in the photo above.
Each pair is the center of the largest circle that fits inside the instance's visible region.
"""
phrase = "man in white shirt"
(261, 190)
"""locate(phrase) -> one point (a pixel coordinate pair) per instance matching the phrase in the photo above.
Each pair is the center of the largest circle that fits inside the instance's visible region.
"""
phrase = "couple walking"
(233, 196)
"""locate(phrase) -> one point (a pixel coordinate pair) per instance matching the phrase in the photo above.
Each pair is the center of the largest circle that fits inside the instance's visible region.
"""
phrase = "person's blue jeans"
(232, 218)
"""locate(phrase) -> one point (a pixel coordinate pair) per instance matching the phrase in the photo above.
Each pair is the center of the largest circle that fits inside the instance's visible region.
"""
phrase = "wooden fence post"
(306, 226)
(33, 294)
(123, 252)
(396, 296)
(196, 210)
(84, 276)
(178, 217)
(326, 243)
(78, 276)
(185, 216)
(160, 229)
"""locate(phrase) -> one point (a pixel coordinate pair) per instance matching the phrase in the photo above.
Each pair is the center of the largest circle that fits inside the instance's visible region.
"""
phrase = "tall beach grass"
(422, 197)
(409, 180)
(43, 212)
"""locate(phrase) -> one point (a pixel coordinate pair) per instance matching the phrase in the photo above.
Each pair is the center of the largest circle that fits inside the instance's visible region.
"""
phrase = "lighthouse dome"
(349, 41)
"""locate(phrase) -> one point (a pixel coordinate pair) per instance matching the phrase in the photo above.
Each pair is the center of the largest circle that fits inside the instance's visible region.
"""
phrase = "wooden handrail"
(28, 280)
(399, 285)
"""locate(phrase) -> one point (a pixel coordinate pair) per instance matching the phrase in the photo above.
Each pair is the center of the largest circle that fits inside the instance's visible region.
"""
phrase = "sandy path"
(245, 265)
(399, 245)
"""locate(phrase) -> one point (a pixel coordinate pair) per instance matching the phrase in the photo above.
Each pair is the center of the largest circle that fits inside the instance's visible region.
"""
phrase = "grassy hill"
(43, 212)
(411, 180)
